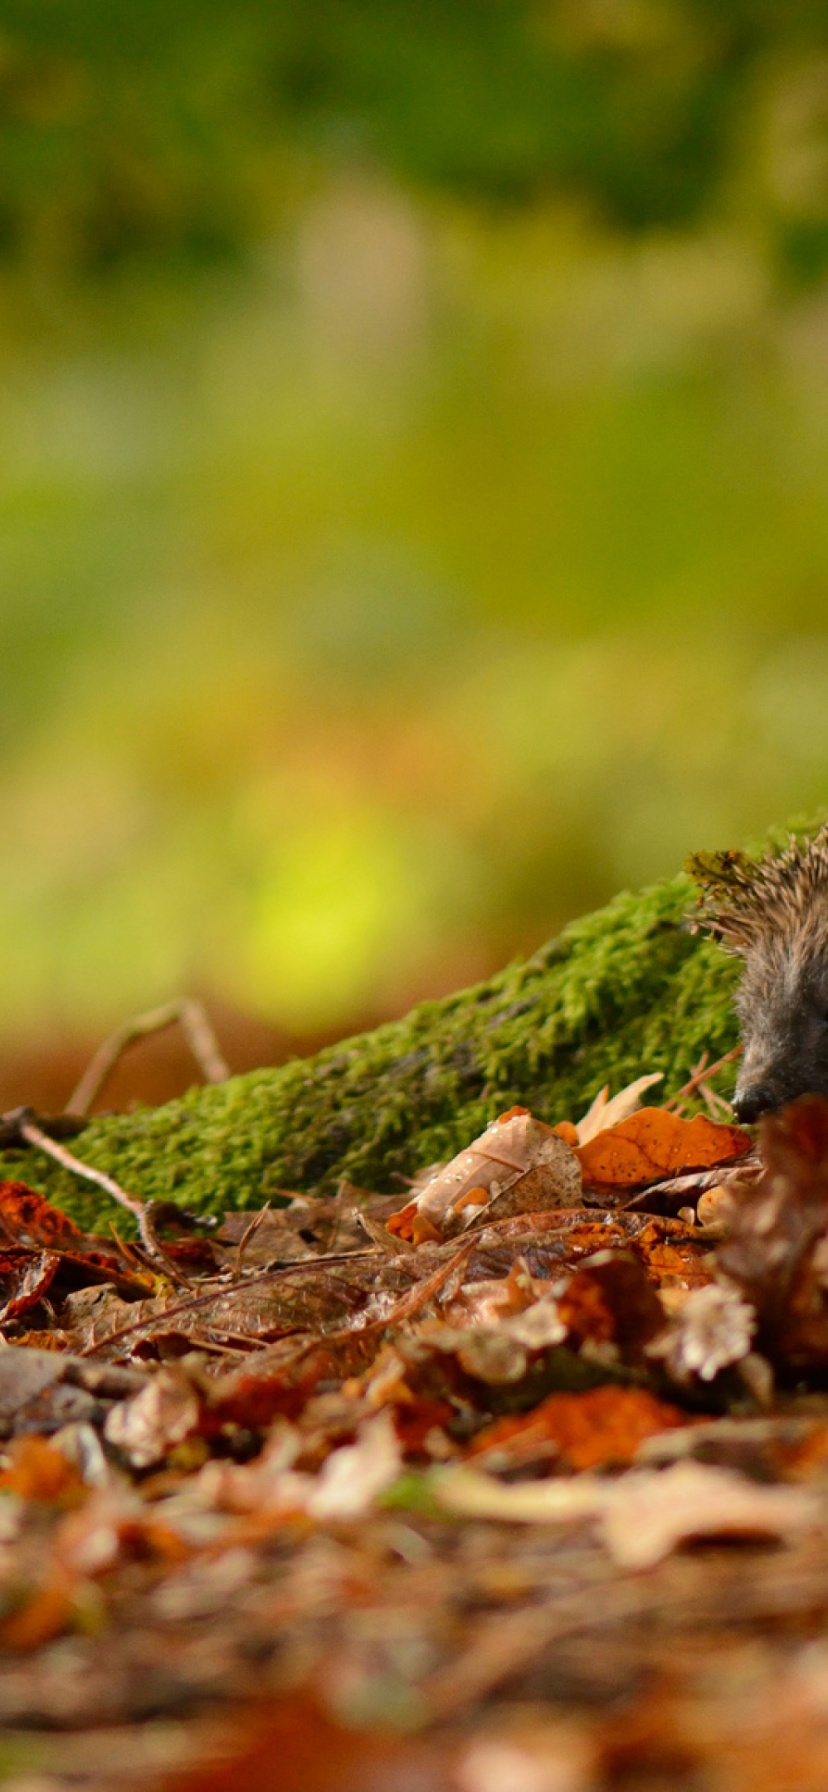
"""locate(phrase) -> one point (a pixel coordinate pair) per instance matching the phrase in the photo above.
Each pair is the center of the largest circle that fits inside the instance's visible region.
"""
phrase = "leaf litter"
(522, 1484)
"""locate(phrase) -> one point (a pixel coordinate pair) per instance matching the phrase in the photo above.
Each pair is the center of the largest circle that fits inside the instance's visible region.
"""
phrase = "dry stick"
(41, 1141)
(196, 1026)
(702, 1074)
(33, 1136)
(248, 1233)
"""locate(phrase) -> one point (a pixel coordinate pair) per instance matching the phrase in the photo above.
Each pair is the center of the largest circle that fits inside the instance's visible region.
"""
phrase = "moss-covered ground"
(626, 990)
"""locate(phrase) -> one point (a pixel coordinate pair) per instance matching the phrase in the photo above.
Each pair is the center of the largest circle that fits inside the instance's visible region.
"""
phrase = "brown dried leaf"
(610, 1302)
(518, 1165)
(646, 1514)
(25, 1276)
(146, 1426)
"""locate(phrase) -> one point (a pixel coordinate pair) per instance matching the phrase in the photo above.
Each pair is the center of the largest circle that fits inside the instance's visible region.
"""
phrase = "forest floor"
(516, 1479)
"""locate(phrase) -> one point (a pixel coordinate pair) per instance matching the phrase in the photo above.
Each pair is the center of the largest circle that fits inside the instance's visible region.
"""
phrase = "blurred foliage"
(412, 468)
(181, 129)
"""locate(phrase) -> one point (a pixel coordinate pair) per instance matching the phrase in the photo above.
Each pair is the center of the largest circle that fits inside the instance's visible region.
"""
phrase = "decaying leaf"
(353, 1477)
(25, 1276)
(26, 1217)
(161, 1414)
(518, 1165)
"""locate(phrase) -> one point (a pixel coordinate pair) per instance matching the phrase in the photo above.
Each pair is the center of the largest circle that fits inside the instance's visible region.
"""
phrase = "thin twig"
(248, 1233)
(196, 1026)
(33, 1136)
(141, 1209)
(702, 1074)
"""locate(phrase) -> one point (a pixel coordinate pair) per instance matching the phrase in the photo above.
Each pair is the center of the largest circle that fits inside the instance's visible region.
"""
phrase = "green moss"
(626, 990)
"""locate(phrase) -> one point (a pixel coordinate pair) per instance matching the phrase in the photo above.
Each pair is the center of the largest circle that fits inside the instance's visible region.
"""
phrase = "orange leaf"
(566, 1131)
(28, 1217)
(46, 1614)
(37, 1471)
(652, 1144)
(603, 1425)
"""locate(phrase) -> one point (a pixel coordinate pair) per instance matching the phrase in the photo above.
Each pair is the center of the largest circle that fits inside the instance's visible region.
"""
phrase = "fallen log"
(625, 990)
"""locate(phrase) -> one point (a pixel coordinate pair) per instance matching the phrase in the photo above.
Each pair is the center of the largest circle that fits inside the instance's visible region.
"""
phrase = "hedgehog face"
(783, 1008)
(774, 915)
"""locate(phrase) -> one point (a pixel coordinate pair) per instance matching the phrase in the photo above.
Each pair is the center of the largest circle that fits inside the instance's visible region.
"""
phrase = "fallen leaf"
(649, 1515)
(609, 1301)
(164, 1412)
(653, 1144)
(518, 1165)
(28, 1218)
(607, 1111)
(353, 1478)
(25, 1276)
(601, 1426)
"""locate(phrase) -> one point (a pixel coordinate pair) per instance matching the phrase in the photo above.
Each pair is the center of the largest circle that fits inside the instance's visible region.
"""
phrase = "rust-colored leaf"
(35, 1470)
(600, 1427)
(28, 1218)
(653, 1144)
(610, 1300)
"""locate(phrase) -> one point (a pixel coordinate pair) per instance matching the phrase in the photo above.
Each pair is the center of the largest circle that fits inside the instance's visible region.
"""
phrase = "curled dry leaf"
(349, 1482)
(518, 1165)
(610, 1304)
(609, 1110)
(652, 1144)
(354, 1476)
(649, 1515)
(25, 1276)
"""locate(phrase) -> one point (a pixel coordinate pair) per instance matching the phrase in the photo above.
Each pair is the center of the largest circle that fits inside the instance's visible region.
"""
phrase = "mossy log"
(626, 990)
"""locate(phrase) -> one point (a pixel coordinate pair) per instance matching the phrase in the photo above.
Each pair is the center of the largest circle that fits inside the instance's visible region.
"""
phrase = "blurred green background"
(414, 485)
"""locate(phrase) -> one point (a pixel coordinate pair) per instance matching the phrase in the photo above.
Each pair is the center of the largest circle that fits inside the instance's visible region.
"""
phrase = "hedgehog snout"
(756, 1099)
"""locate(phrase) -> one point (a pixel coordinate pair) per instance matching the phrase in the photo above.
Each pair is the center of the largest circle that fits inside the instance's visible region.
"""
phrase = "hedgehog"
(773, 914)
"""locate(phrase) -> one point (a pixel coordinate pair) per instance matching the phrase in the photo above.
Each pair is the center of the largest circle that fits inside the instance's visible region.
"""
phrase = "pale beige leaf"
(606, 1111)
